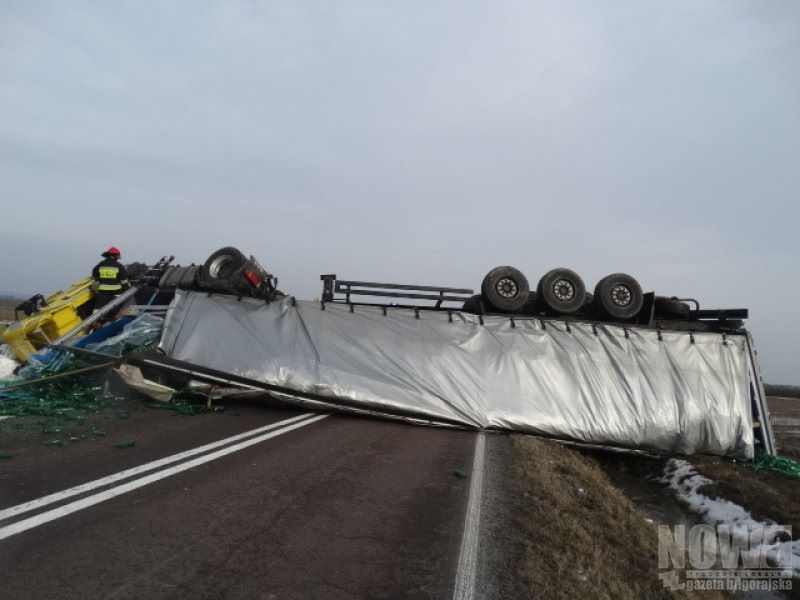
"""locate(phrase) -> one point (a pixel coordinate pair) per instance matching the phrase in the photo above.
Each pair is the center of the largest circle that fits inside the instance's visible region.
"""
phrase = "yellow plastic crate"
(57, 317)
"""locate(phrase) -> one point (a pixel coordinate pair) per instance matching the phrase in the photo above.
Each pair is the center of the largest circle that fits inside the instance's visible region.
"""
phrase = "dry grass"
(584, 537)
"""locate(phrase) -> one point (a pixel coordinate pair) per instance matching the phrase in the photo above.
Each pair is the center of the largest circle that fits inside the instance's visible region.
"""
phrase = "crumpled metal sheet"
(592, 385)
(133, 377)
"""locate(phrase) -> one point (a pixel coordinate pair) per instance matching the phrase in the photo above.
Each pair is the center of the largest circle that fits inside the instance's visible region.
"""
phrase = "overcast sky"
(420, 142)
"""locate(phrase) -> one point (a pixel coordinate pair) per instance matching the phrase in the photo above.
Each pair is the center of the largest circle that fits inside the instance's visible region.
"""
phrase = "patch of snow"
(778, 547)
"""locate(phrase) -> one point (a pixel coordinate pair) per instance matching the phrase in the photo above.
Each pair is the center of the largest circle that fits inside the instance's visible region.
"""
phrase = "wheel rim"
(563, 290)
(220, 266)
(507, 287)
(621, 295)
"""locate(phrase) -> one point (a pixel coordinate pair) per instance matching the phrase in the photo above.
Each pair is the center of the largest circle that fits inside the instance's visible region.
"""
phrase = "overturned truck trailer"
(623, 384)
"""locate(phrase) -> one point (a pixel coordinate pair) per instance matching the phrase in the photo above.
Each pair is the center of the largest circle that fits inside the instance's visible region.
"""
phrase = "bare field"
(7, 309)
(785, 412)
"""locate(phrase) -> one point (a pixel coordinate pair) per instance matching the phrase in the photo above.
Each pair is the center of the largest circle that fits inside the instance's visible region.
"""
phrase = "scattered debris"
(57, 383)
(139, 334)
(133, 377)
(777, 464)
(60, 398)
(8, 362)
(459, 473)
(7, 367)
(182, 407)
(125, 444)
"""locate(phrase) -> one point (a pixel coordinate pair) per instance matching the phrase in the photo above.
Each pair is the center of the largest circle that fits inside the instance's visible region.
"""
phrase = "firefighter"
(110, 278)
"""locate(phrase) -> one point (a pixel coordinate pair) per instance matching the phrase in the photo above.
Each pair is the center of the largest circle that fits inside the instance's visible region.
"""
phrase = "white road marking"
(91, 485)
(468, 556)
(124, 488)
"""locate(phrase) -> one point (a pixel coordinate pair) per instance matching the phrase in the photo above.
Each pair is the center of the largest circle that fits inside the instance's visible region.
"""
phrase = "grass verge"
(584, 538)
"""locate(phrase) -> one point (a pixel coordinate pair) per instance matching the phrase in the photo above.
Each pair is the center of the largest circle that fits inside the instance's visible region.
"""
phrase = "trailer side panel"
(600, 384)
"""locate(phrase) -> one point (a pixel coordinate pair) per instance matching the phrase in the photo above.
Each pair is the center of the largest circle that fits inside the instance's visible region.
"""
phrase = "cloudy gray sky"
(420, 142)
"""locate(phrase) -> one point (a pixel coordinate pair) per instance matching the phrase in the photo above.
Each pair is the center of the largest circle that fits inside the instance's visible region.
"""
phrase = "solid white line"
(468, 556)
(66, 509)
(91, 485)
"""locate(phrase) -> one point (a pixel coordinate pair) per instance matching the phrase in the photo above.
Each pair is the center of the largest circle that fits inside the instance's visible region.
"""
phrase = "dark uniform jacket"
(110, 276)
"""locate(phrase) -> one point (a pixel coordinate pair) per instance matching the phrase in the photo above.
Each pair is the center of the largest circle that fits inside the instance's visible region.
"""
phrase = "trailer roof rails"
(347, 288)
(352, 292)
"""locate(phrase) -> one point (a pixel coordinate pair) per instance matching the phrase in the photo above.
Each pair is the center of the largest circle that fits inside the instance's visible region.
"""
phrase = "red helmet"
(113, 251)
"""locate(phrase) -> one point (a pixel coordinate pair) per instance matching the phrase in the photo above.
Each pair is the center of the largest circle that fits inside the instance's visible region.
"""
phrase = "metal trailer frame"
(342, 291)
(759, 401)
(333, 286)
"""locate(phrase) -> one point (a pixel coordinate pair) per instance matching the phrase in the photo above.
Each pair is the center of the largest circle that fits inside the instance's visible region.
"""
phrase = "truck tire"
(618, 296)
(188, 279)
(205, 283)
(172, 275)
(136, 270)
(561, 291)
(224, 263)
(505, 289)
(589, 299)
(178, 275)
(474, 305)
(671, 307)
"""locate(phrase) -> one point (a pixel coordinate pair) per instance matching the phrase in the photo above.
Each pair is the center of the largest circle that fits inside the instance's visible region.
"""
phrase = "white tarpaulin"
(599, 385)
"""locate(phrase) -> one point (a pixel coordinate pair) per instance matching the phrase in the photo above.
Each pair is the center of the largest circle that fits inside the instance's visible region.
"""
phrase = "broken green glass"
(776, 464)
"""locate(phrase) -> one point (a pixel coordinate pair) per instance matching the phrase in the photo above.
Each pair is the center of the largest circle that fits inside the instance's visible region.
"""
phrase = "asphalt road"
(342, 507)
